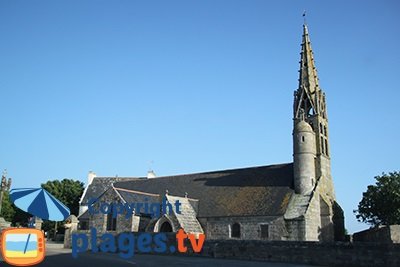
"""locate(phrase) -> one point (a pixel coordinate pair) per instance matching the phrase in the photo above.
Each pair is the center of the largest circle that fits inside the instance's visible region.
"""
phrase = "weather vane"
(304, 16)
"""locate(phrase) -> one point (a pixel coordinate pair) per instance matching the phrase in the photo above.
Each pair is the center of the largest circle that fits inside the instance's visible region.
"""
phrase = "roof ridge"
(134, 191)
(113, 177)
(225, 170)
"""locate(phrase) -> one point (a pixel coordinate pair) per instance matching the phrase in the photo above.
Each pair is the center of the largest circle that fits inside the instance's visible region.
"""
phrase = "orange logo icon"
(22, 246)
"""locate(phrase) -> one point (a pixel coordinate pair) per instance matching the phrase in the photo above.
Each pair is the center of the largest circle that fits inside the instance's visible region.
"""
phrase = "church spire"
(310, 107)
(308, 72)
(308, 94)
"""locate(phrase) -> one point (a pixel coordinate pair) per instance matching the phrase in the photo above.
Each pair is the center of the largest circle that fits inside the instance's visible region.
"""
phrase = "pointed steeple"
(308, 72)
(308, 96)
(310, 107)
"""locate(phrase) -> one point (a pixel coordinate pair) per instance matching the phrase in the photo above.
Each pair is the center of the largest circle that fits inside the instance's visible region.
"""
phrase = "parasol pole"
(55, 230)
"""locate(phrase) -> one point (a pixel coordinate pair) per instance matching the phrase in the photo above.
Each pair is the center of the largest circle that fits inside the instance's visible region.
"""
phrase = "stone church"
(289, 201)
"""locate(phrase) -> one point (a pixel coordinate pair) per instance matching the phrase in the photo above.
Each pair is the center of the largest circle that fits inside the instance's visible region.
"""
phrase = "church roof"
(101, 184)
(255, 191)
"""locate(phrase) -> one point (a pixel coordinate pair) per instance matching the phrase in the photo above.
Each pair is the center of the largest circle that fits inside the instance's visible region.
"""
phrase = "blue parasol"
(40, 203)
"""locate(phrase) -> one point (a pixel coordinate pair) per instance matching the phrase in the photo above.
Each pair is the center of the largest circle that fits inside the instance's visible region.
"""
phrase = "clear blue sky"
(194, 86)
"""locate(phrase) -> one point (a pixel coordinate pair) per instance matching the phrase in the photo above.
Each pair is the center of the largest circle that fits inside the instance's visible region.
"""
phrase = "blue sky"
(193, 86)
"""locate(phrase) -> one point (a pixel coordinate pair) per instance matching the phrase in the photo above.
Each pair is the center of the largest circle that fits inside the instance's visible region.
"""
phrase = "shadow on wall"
(338, 222)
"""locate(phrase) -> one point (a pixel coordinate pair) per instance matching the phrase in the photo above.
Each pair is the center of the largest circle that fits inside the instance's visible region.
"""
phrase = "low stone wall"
(385, 234)
(312, 253)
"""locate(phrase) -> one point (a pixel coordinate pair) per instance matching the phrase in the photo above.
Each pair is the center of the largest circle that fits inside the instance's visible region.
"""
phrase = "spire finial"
(304, 17)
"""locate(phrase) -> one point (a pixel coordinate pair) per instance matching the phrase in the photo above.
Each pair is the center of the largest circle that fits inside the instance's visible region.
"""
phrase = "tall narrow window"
(235, 230)
(322, 146)
(264, 231)
(111, 222)
(326, 147)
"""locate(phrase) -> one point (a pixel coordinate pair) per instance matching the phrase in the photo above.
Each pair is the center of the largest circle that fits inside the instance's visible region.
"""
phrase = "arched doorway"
(166, 227)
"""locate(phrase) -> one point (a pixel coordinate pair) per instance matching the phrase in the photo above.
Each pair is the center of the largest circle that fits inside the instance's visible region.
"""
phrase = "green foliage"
(20, 217)
(380, 204)
(68, 191)
(8, 208)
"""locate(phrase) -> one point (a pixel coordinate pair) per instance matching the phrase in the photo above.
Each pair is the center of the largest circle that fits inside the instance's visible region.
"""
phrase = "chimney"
(91, 176)
(151, 174)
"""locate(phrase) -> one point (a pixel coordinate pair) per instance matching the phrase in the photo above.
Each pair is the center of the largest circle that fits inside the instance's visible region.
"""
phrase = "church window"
(166, 227)
(235, 230)
(322, 146)
(111, 222)
(326, 147)
(325, 131)
(302, 139)
(310, 112)
(321, 129)
(264, 231)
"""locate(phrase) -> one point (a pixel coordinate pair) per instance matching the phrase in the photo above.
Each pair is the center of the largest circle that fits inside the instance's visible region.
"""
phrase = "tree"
(68, 191)
(380, 204)
(7, 208)
(20, 217)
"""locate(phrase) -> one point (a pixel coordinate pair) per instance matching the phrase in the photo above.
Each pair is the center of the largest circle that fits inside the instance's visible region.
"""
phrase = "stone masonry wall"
(312, 222)
(312, 253)
(385, 234)
(99, 220)
(250, 227)
(319, 219)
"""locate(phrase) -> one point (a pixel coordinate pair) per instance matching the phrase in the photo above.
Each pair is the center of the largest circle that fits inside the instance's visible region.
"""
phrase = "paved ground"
(59, 257)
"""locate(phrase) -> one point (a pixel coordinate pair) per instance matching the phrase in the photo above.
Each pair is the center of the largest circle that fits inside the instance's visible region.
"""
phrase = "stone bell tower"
(309, 114)
(313, 214)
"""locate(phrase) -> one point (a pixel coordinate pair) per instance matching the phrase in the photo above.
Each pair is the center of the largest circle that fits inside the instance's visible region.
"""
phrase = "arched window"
(166, 227)
(235, 230)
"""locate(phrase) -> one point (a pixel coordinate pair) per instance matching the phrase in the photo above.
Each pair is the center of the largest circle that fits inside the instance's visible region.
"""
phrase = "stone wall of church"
(322, 218)
(319, 224)
(250, 227)
(312, 219)
(99, 221)
(296, 229)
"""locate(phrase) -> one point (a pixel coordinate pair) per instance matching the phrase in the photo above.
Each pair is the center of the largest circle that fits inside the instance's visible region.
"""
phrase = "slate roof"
(255, 191)
(132, 197)
(100, 184)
